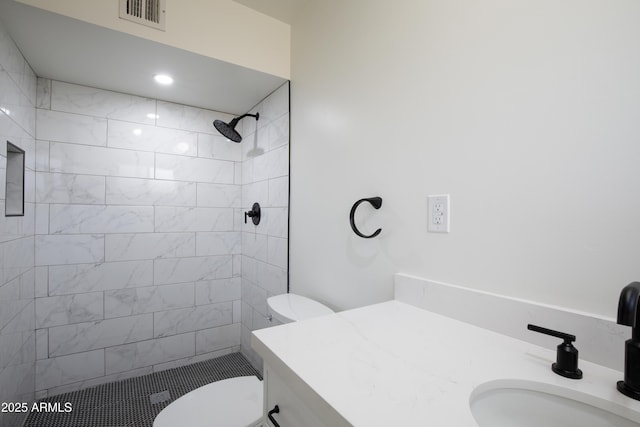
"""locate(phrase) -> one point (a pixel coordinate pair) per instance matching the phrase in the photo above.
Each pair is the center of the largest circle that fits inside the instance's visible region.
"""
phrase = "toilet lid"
(233, 402)
(292, 308)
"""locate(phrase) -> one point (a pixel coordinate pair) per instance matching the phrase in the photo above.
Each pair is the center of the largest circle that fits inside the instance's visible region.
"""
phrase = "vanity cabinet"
(294, 412)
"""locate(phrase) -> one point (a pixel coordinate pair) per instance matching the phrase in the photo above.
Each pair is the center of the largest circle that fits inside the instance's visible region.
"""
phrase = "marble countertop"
(395, 364)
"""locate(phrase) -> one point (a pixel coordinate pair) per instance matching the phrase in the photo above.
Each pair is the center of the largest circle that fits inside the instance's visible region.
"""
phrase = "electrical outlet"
(438, 214)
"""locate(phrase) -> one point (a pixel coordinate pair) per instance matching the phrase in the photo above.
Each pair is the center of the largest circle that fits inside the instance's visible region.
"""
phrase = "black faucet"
(628, 315)
(566, 355)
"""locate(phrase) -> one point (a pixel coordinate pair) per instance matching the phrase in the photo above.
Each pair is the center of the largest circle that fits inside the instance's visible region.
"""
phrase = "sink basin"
(525, 403)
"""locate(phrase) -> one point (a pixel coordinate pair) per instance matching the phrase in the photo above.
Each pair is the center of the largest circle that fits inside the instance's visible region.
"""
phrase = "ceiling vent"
(146, 12)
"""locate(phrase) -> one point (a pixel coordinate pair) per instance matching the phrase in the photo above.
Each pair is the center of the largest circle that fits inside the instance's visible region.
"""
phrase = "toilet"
(288, 308)
(236, 402)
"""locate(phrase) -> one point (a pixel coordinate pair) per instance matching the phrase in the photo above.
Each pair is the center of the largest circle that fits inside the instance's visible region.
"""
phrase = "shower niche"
(14, 200)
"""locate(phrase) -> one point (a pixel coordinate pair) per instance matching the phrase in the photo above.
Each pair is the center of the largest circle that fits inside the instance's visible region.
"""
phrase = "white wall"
(17, 334)
(525, 112)
(221, 29)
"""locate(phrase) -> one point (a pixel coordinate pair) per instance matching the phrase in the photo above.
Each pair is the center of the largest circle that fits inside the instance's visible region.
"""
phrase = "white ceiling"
(282, 10)
(66, 49)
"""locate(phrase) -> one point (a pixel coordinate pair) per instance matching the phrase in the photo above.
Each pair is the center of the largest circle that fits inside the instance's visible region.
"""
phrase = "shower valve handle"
(254, 214)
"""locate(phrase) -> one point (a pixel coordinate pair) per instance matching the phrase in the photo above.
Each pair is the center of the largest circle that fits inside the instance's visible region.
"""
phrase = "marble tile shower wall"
(138, 237)
(17, 329)
(265, 178)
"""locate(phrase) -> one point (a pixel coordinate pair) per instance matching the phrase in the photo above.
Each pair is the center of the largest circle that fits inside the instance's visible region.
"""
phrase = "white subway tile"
(218, 147)
(237, 175)
(80, 278)
(190, 319)
(277, 251)
(42, 282)
(43, 93)
(278, 162)
(178, 116)
(69, 158)
(216, 291)
(11, 290)
(277, 221)
(42, 156)
(247, 172)
(27, 283)
(255, 246)
(16, 316)
(255, 192)
(68, 369)
(67, 309)
(10, 227)
(70, 128)
(100, 219)
(237, 265)
(249, 268)
(278, 132)
(272, 279)
(42, 344)
(41, 394)
(149, 192)
(18, 257)
(42, 218)
(131, 356)
(176, 219)
(246, 314)
(260, 322)
(81, 385)
(180, 270)
(195, 359)
(256, 142)
(219, 195)
(65, 188)
(260, 167)
(183, 168)
(51, 250)
(217, 338)
(135, 136)
(275, 105)
(10, 57)
(29, 187)
(218, 243)
(121, 247)
(279, 192)
(14, 101)
(74, 98)
(237, 311)
(28, 221)
(255, 297)
(101, 334)
(127, 302)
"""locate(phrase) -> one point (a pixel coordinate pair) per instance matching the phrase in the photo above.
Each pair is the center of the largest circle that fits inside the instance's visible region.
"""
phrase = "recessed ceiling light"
(137, 132)
(153, 116)
(163, 79)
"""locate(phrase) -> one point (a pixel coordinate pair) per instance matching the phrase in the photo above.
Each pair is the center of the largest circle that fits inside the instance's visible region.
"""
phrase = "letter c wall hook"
(376, 202)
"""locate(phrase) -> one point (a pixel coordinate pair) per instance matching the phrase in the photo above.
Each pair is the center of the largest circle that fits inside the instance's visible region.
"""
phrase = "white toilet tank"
(289, 308)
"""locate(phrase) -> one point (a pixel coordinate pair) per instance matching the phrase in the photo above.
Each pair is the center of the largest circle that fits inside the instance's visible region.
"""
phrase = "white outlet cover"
(438, 207)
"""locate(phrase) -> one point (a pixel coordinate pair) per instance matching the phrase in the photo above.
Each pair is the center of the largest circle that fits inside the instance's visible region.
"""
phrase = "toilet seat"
(234, 402)
(292, 308)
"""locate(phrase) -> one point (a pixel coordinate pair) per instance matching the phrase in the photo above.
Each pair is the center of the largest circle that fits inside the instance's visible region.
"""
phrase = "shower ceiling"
(66, 49)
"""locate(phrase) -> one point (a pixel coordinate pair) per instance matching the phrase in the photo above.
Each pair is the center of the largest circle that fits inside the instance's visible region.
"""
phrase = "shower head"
(228, 130)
